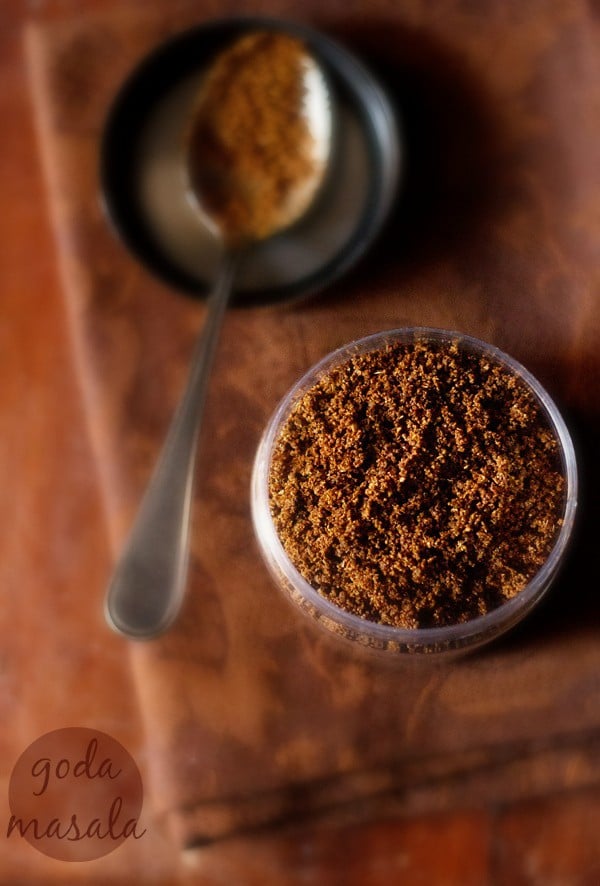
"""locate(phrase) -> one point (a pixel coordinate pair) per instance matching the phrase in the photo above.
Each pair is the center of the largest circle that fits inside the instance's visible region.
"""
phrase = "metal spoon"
(147, 588)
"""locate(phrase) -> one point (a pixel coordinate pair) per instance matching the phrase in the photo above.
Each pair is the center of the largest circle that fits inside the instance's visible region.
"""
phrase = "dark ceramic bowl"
(144, 186)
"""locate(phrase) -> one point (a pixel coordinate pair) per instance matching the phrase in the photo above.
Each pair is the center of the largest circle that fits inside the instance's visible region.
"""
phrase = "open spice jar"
(415, 492)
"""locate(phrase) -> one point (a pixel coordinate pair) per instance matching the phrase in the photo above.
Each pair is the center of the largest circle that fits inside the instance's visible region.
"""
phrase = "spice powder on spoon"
(250, 142)
(418, 485)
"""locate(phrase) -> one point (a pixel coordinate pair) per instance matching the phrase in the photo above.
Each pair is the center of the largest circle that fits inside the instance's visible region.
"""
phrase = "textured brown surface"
(248, 713)
(418, 485)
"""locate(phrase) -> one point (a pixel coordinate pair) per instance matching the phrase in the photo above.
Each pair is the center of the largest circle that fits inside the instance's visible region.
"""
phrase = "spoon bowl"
(257, 155)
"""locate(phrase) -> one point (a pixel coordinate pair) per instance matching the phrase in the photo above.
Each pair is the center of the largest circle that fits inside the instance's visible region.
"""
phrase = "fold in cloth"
(253, 715)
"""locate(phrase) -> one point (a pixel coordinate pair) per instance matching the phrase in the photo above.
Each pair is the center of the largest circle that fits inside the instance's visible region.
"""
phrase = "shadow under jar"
(415, 492)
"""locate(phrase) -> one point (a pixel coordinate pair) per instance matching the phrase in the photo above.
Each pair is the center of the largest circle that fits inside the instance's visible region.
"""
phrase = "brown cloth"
(253, 715)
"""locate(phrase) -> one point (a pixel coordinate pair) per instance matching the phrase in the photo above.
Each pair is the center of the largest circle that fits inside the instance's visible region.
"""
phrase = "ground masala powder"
(418, 485)
(250, 142)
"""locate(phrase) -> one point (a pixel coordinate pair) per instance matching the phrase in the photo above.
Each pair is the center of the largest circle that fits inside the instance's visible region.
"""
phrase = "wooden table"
(59, 664)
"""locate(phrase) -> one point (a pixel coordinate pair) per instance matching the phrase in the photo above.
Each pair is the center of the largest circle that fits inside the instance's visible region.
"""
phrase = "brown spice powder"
(418, 485)
(251, 144)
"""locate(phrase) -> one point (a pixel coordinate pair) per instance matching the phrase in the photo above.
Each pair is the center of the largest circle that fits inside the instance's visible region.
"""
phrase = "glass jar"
(430, 641)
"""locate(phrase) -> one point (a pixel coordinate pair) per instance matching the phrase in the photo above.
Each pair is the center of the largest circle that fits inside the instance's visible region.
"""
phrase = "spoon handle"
(147, 588)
